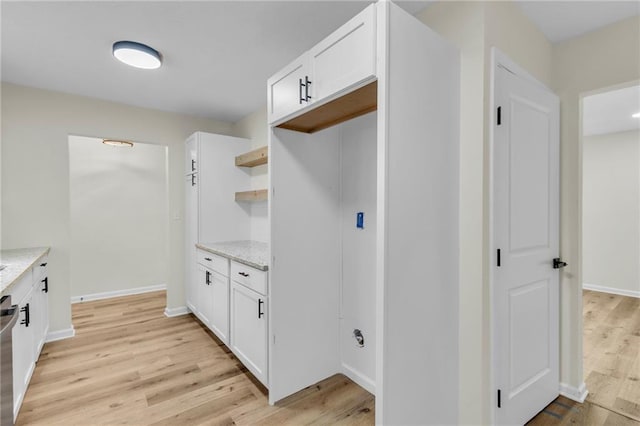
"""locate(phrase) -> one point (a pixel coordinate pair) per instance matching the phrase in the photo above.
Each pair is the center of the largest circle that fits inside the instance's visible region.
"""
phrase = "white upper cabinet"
(347, 57)
(191, 155)
(290, 89)
(343, 60)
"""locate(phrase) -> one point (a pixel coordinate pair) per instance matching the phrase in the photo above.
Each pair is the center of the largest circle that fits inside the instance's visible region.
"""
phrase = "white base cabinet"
(249, 329)
(31, 295)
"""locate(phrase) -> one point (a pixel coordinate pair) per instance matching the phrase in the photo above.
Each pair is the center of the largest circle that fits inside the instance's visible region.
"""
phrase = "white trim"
(578, 394)
(360, 379)
(176, 312)
(612, 290)
(117, 293)
(60, 334)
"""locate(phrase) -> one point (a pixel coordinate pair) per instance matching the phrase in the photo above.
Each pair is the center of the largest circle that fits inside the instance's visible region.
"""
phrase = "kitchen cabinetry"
(211, 302)
(249, 319)
(289, 90)
(341, 62)
(29, 333)
(412, 82)
(211, 213)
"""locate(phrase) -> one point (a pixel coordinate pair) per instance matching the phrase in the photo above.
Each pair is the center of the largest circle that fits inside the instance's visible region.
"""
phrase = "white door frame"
(501, 60)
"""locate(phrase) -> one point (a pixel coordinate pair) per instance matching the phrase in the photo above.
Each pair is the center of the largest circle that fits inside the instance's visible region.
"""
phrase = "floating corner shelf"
(255, 195)
(253, 158)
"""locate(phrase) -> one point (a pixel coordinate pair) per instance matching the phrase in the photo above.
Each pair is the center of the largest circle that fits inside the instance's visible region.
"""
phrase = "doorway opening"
(611, 248)
(119, 218)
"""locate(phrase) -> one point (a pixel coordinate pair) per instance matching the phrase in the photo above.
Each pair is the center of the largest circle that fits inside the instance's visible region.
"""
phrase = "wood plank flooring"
(611, 366)
(129, 364)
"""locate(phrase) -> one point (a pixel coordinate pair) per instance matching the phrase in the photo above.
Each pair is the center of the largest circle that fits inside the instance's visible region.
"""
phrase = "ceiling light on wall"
(115, 142)
(137, 55)
(636, 115)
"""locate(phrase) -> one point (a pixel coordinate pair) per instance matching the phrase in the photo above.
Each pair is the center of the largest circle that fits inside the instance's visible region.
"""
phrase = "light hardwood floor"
(611, 366)
(129, 364)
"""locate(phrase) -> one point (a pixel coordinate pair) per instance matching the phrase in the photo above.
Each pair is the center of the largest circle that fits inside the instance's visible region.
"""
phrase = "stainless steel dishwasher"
(8, 317)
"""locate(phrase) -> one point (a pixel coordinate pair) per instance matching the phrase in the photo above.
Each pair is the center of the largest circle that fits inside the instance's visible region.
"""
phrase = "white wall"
(254, 127)
(35, 175)
(611, 212)
(358, 150)
(601, 59)
(119, 216)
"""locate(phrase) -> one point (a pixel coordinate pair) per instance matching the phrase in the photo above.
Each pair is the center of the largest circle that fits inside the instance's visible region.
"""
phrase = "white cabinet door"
(204, 302)
(191, 155)
(220, 307)
(249, 329)
(191, 237)
(40, 313)
(23, 343)
(347, 57)
(289, 89)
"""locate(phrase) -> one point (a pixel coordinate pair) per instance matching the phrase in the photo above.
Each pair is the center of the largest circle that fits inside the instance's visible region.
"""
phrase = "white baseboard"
(612, 290)
(578, 394)
(359, 378)
(60, 334)
(117, 293)
(176, 312)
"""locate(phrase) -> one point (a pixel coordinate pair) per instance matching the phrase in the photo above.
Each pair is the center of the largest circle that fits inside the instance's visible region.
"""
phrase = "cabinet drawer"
(249, 277)
(22, 287)
(214, 262)
(40, 269)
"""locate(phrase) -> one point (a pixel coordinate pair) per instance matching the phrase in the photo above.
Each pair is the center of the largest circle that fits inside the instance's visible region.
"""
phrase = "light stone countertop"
(17, 262)
(250, 253)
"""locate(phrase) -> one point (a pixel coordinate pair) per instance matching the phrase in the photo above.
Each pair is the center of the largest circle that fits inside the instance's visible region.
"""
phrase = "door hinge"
(499, 399)
(499, 116)
(498, 258)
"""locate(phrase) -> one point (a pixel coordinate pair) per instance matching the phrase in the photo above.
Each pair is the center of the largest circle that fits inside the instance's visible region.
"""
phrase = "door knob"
(557, 263)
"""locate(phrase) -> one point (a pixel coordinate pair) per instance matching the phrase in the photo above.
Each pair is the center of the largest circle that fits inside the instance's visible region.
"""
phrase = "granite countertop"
(250, 253)
(17, 262)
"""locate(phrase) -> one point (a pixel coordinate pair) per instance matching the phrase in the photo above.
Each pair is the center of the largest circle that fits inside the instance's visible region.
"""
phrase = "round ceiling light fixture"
(115, 142)
(137, 55)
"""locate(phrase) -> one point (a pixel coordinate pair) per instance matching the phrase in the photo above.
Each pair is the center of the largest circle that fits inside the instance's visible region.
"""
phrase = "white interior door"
(526, 240)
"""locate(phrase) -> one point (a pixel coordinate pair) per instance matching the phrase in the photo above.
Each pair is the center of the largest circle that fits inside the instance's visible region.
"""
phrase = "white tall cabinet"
(211, 212)
(398, 166)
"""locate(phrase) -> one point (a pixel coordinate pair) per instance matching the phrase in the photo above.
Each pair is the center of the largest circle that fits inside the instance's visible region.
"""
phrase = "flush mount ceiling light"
(636, 115)
(137, 55)
(115, 142)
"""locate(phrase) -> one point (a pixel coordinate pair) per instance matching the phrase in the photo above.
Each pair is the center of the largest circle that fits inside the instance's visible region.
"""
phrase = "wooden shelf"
(253, 158)
(359, 102)
(257, 195)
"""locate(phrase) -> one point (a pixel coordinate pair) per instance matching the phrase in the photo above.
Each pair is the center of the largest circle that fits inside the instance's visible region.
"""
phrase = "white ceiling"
(562, 20)
(217, 54)
(611, 112)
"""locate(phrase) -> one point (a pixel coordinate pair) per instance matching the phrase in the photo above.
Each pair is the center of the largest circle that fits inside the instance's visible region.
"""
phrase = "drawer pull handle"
(208, 259)
(27, 311)
(208, 277)
(260, 303)
(244, 274)
(43, 264)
